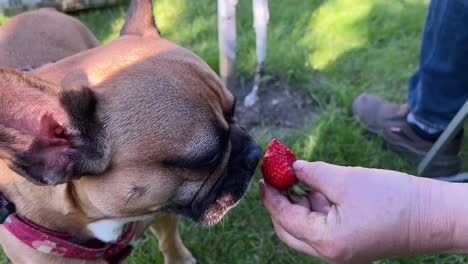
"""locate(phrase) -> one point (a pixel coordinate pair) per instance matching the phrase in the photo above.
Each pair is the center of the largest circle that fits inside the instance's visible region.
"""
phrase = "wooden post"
(261, 17)
(227, 40)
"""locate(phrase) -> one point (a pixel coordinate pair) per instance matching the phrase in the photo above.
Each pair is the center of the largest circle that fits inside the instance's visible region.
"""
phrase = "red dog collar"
(63, 244)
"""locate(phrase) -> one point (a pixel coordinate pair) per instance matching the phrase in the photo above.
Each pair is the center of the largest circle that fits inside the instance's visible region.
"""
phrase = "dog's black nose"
(245, 152)
(252, 155)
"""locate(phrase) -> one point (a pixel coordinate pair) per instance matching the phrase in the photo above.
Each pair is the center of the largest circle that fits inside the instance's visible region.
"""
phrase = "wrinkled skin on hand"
(354, 215)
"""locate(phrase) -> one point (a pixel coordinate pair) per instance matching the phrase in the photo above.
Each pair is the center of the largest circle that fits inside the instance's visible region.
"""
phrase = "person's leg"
(436, 92)
(440, 86)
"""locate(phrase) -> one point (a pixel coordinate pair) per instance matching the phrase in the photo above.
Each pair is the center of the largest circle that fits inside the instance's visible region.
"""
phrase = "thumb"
(320, 176)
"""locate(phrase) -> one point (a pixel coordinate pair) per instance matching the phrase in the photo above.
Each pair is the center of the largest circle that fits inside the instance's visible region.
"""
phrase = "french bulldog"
(138, 131)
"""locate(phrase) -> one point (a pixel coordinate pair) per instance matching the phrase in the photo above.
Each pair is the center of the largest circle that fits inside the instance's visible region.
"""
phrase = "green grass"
(333, 50)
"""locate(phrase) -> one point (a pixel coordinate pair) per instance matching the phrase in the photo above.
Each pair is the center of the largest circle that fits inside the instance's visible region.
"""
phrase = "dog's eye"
(205, 163)
(209, 162)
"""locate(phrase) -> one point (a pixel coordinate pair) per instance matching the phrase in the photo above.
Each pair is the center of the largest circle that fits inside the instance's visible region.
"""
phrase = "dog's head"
(154, 131)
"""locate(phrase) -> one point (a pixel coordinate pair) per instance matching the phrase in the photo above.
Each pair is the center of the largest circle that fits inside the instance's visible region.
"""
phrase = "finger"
(318, 202)
(323, 177)
(296, 198)
(275, 201)
(292, 242)
(296, 219)
(302, 201)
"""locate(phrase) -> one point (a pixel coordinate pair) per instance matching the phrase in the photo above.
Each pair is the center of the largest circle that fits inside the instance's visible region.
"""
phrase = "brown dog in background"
(139, 129)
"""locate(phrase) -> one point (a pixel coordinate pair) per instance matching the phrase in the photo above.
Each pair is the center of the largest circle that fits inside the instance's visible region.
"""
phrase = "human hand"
(373, 213)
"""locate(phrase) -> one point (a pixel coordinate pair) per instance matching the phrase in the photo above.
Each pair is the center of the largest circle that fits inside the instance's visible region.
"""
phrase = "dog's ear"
(140, 19)
(49, 137)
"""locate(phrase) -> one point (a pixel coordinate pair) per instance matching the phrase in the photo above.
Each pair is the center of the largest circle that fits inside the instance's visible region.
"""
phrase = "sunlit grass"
(329, 36)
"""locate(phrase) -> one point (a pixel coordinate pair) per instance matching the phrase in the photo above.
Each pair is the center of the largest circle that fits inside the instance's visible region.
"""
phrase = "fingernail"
(298, 165)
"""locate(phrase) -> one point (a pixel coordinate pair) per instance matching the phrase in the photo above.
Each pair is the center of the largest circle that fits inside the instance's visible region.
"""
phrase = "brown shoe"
(389, 120)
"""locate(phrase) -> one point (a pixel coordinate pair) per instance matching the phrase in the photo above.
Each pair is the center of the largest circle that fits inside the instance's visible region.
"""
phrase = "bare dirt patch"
(280, 109)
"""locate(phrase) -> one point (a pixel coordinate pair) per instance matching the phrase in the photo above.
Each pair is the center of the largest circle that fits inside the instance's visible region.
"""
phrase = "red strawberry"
(276, 165)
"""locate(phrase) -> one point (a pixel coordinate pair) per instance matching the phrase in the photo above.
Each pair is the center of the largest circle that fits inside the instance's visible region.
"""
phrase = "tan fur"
(137, 77)
(167, 232)
(36, 37)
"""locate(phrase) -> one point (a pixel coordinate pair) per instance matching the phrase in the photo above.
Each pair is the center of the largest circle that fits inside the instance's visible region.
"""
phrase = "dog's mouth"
(218, 209)
(231, 186)
(224, 195)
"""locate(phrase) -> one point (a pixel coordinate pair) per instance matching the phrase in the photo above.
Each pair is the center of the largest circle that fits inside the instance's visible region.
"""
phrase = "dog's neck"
(53, 207)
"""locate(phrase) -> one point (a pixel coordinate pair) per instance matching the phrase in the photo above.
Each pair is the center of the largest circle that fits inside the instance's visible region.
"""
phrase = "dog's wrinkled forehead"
(170, 102)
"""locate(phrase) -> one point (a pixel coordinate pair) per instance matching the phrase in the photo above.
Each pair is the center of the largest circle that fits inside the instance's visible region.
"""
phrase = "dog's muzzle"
(234, 182)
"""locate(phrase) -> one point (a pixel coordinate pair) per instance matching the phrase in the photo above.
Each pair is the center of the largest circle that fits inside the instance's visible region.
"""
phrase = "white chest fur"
(108, 230)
